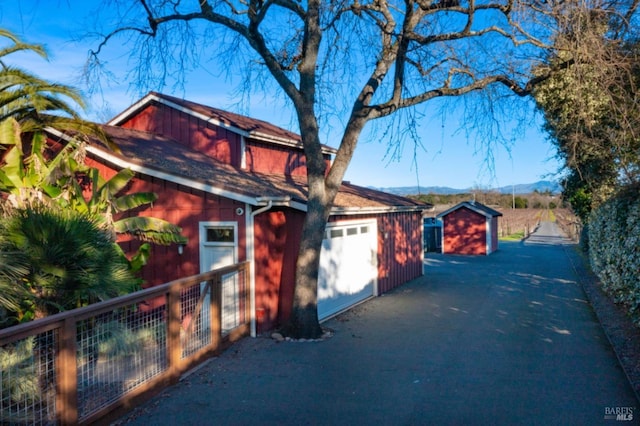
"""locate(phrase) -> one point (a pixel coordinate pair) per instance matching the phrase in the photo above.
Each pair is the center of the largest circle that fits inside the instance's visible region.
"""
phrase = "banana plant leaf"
(151, 229)
(117, 182)
(131, 201)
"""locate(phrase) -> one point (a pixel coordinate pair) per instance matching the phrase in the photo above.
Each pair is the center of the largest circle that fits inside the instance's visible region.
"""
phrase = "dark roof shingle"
(168, 156)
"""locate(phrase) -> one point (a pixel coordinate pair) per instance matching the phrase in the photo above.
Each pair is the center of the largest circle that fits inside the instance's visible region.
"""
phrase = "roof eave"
(177, 179)
(282, 201)
(376, 210)
(180, 180)
(470, 207)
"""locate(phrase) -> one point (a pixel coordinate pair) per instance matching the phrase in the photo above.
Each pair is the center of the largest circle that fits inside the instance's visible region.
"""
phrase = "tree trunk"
(304, 321)
(323, 189)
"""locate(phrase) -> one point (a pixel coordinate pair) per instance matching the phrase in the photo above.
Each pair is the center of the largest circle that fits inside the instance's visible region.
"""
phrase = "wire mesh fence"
(118, 351)
(28, 380)
(196, 316)
(76, 366)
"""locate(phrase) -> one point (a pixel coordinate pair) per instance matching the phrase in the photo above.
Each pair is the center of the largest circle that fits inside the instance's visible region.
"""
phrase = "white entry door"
(218, 248)
(348, 266)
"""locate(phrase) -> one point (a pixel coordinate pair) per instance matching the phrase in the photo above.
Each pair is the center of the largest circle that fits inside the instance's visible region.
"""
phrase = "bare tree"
(374, 58)
(592, 106)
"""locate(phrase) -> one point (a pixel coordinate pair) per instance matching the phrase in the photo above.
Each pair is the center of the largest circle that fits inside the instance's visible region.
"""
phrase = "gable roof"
(473, 206)
(165, 158)
(240, 124)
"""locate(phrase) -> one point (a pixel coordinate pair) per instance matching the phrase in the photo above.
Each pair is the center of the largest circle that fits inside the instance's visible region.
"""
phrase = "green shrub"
(614, 248)
(72, 261)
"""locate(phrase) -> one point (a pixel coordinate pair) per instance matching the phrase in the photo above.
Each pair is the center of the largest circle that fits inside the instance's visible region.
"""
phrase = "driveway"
(494, 340)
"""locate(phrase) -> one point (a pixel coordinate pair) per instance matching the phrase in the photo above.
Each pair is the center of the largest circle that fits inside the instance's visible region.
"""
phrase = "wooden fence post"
(246, 273)
(174, 346)
(67, 372)
(215, 317)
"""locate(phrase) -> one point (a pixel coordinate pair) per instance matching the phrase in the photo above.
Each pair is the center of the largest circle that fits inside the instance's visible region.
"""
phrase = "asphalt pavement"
(504, 339)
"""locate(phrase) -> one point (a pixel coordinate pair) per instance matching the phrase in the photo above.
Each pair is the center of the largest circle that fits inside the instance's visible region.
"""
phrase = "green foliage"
(72, 260)
(27, 174)
(140, 258)
(520, 203)
(150, 229)
(13, 266)
(614, 239)
(36, 103)
(518, 236)
(591, 107)
(44, 192)
(58, 249)
(106, 201)
(23, 95)
(579, 196)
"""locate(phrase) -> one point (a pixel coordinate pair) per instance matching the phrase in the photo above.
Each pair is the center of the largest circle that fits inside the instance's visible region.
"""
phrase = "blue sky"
(448, 156)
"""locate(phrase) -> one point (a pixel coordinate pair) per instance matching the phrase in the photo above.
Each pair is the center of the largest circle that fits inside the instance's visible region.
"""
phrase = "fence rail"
(78, 366)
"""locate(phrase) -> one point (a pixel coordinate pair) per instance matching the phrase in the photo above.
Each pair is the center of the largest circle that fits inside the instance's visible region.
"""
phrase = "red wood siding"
(270, 242)
(217, 142)
(272, 159)
(277, 240)
(400, 253)
(464, 232)
(186, 208)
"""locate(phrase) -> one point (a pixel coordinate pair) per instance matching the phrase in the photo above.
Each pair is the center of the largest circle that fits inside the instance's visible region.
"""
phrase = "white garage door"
(348, 266)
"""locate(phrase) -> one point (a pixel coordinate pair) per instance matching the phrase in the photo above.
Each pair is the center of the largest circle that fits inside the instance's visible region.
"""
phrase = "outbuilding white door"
(348, 266)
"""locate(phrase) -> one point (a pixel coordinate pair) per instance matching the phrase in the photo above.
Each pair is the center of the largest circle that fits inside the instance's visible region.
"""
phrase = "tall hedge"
(614, 247)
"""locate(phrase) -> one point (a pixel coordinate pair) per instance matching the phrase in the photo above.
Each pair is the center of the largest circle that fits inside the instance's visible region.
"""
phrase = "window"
(336, 233)
(221, 234)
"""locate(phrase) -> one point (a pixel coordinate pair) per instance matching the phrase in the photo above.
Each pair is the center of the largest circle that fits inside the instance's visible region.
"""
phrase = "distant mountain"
(412, 190)
(528, 188)
(524, 188)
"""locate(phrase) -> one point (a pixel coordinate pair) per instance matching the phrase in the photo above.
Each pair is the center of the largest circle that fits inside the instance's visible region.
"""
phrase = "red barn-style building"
(469, 228)
(237, 187)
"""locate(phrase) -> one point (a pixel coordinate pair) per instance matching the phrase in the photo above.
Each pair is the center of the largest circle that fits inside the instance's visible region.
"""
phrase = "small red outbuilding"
(469, 228)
